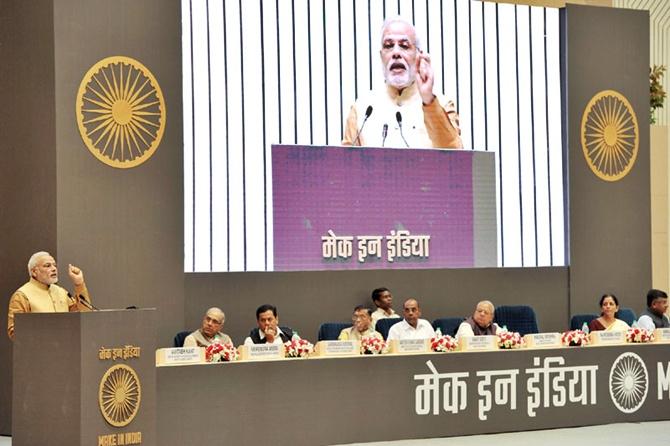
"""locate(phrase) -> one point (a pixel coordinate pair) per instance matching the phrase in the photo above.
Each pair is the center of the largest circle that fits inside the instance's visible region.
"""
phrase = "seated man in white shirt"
(383, 300)
(480, 323)
(654, 316)
(210, 332)
(362, 326)
(413, 327)
(268, 330)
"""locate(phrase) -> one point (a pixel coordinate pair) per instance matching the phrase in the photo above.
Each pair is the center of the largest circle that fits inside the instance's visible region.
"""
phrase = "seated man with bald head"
(412, 327)
(210, 332)
(480, 323)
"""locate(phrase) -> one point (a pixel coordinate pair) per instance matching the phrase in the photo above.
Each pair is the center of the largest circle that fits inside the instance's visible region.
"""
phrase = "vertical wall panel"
(539, 112)
(201, 139)
(253, 138)
(219, 217)
(236, 147)
(526, 144)
(555, 166)
(509, 148)
(189, 165)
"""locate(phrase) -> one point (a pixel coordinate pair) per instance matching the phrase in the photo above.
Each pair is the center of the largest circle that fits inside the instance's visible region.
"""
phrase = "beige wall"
(659, 168)
(556, 3)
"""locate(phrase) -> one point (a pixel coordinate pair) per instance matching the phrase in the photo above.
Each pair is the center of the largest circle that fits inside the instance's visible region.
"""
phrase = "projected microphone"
(398, 117)
(368, 112)
(385, 132)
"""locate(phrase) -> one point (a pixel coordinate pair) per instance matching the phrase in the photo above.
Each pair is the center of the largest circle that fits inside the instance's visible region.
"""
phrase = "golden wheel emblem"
(120, 112)
(120, 395)
(610, 135)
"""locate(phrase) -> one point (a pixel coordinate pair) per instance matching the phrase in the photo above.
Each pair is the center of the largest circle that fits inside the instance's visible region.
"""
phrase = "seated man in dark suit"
(654, 316)
(268, 330)
(481, 322)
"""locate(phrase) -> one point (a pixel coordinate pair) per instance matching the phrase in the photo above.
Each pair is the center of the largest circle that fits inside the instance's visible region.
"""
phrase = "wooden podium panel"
(85, 378)
(382, 208)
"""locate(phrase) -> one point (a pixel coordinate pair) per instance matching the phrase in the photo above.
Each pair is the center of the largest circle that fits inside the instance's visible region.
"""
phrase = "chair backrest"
(520, 318)
(578, 320)
(448, 325)
(627, 315)
(179, 338)
(329, 331)
(384, 325)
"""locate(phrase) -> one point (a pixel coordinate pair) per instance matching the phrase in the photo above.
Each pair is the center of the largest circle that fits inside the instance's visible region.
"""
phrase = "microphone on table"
(398, 117)
(385, 132)
(368, 112)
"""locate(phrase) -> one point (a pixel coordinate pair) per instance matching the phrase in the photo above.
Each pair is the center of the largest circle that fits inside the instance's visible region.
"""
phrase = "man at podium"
(404, 112)
(41, 294)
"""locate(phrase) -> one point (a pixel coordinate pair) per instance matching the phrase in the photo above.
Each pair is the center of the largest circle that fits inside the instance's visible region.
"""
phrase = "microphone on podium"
(82, 304)
(385, 132)
(398, 117)
(368, 112)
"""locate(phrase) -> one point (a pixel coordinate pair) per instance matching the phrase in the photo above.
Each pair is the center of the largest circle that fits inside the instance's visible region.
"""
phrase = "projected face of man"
(399, 54)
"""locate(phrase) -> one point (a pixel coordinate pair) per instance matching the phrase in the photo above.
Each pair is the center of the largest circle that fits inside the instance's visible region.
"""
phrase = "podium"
(85, 378)
(339, 208)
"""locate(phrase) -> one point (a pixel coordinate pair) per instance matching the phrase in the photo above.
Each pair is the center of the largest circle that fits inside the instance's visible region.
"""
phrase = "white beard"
(400, 80)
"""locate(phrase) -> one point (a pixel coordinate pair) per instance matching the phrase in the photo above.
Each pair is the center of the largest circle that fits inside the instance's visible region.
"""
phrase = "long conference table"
(325, 401)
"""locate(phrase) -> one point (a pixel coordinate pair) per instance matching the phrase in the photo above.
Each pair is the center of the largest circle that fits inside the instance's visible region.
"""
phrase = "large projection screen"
(258, 73)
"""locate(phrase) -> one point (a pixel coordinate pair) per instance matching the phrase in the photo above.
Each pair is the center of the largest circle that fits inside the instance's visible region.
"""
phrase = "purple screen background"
(371, 191)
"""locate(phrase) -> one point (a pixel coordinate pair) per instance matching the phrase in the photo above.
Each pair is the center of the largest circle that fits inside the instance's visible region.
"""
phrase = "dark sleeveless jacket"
(479, 331)
(285, 335)
(659, 322)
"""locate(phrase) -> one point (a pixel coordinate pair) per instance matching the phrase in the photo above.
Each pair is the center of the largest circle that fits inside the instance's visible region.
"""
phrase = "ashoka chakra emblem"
(629, 382)
(120, 112)
(610, 135)
(120, 395)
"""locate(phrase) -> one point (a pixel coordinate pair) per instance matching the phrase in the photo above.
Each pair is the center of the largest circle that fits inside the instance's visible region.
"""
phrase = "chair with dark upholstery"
(627, 315)
(329, 331)
(448, 325)
(384, 325)
(578, 320)
(519, 318)
(179, 338)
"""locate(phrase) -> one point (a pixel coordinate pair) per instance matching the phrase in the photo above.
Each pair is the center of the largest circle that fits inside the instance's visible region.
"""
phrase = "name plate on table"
(180, 355)
(477, 343)
(410, 345)
(261, 352)
(338, 348)
(662, 335)
(543, 340)
(608, 337)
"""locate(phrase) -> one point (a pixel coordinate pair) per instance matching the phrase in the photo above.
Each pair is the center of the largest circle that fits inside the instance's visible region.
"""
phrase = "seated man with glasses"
(362, 319)
(210, 332)
(404, 112)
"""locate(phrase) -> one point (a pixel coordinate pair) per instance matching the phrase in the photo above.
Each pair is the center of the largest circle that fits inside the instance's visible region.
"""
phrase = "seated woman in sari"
(609, 305)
